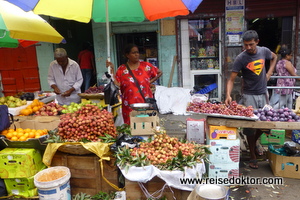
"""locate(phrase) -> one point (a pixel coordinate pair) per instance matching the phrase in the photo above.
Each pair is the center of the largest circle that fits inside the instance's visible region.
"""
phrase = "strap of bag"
(136, 82)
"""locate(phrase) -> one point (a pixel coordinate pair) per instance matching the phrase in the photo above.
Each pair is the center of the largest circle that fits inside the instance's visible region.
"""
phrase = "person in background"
(251, 63)
(65, 78)
(284, 67)
(87, 65)
(145, 74)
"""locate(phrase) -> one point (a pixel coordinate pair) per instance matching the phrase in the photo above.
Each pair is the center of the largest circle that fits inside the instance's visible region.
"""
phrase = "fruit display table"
(252, 124)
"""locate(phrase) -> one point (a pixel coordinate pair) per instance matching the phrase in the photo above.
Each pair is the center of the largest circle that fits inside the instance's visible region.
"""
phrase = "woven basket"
(91, 96)
(76, 149)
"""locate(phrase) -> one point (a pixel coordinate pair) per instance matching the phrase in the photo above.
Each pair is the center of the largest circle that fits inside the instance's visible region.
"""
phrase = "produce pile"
(73, 107)
(21, 134)
(32, 108)
(94, 89)
(220, 108)
(164, 152)
(12, 102)
(49, 109)
(282, 115)
(89, 123)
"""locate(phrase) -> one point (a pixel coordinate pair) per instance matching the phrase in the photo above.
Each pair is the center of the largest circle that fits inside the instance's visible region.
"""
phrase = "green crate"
(274, 137)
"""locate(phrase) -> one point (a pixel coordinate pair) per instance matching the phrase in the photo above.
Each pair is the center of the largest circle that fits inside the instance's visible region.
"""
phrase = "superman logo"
(256, 66)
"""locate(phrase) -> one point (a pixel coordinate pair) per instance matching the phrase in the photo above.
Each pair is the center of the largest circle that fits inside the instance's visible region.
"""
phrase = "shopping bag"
(111, 92)
(6, 118)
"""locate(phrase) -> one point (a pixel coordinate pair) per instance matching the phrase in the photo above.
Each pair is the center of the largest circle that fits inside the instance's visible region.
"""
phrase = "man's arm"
(229, 87)
(272, 65)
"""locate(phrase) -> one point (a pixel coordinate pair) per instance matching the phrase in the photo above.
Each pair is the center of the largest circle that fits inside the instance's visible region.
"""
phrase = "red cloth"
(85, 59)
(130, 93)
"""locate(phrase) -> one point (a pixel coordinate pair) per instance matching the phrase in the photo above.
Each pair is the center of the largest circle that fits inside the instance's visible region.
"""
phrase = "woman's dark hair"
(284, 51)
(128, 48)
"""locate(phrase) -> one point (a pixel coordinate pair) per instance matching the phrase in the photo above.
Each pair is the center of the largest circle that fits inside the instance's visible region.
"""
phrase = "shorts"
(256, 101)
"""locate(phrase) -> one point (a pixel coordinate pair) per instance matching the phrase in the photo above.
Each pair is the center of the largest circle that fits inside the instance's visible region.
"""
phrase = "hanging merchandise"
(111, 92)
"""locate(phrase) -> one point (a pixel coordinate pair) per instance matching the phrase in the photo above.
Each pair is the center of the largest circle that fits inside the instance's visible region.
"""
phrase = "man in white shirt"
(65, 78)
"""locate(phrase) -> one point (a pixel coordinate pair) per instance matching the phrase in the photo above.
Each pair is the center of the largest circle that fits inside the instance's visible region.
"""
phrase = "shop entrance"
(273, 31)
(146, 42)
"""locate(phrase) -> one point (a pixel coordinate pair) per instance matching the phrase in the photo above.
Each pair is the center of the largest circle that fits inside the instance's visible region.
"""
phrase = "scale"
(140, 107)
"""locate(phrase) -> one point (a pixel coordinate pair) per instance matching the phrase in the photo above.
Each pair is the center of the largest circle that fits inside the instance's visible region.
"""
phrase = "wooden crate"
(86, 174)
(133, 190)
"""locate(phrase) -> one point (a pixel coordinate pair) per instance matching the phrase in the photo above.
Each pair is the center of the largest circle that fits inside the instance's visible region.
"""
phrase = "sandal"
(253, 164)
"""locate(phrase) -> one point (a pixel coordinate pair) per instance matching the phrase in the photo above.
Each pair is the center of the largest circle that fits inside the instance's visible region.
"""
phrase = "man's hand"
(68, 92)
(56, 89)
(228, 101)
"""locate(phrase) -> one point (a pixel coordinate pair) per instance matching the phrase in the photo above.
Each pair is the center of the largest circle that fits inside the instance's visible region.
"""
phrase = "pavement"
(288, 190)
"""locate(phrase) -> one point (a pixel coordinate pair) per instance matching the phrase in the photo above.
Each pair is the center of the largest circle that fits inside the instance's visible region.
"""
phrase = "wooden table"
(252, 124)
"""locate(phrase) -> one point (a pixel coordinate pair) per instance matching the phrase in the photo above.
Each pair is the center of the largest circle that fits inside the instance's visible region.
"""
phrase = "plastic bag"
(111, 93)
(5, 121)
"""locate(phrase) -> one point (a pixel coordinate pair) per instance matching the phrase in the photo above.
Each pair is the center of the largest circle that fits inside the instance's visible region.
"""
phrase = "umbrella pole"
(109, 109)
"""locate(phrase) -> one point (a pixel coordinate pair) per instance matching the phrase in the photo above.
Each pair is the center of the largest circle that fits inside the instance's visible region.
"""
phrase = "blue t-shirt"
(253, 70)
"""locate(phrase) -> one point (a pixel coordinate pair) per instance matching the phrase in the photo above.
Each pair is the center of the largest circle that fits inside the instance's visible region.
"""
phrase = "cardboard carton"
(20, 162)
(223, 170)
(224, 151)
(275, 137)
(21, 186)
(284, 166)
(195, 130)
(222, 132)
(142, 124)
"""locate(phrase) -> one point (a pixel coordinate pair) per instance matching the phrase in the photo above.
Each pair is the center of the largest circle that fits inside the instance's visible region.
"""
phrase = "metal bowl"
(140, 106)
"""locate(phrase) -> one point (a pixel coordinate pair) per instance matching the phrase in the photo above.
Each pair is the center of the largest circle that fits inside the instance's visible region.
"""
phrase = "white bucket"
(212, 192)
(49, 189)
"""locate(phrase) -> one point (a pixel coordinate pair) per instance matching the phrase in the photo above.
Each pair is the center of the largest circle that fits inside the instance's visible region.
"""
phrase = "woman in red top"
(144, 72)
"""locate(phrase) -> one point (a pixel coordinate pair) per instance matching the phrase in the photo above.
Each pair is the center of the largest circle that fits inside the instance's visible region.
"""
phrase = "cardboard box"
(275, 137)
(20, 162)
(141, 124)
(222, 132)
(21, 186)
(223, 170)
(195, 130)
(86, 175)
(224, 151)
(284, 166)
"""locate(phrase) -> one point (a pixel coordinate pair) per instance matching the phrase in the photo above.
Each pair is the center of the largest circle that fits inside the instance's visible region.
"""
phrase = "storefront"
(206, 57)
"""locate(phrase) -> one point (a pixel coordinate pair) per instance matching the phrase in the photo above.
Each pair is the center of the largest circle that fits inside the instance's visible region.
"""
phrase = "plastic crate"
(275, 137)
(207, 89)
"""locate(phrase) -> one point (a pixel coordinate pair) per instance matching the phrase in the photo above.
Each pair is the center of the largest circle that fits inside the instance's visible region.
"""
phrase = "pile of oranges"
(32, 108)
(21, 134)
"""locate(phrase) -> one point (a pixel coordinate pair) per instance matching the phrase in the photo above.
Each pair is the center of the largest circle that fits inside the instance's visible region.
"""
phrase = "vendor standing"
(65, 78)
(251, 63)
(144, 72)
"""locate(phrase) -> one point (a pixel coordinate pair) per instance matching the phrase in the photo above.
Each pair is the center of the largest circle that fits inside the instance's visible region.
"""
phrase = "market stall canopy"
(25, 28)
(119, 10)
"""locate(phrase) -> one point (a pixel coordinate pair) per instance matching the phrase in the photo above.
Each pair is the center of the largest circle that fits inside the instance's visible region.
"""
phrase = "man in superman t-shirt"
(251, 63)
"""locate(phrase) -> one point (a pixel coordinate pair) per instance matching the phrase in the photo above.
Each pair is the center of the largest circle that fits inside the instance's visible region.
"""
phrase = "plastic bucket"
(53, 183)
(212, 192)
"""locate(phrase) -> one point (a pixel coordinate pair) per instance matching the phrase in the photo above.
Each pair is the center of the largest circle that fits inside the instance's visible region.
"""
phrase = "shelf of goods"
(252, 124)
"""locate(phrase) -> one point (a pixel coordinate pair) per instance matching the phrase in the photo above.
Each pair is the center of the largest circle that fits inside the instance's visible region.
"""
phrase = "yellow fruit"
(9, 135)
(22, 138)
(14, 138)
(4, 132)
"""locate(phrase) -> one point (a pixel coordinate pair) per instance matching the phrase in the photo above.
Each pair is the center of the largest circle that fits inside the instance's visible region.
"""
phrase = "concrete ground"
(176, 126)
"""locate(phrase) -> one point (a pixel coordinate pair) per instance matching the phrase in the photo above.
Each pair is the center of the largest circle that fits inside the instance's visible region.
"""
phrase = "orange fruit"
(26, 135)
(35, 108)
(20, 134)
(14, 138)
(4, 132)
(31, 135)
(9, 135)
(27, 111)
(22, 138)
(27, 130)
(15, 133)
(37, 135)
